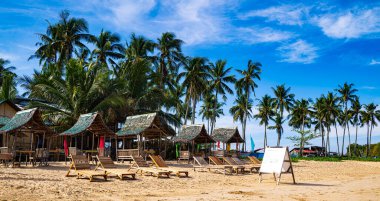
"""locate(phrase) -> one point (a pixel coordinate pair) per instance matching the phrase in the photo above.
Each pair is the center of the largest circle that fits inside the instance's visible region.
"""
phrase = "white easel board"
(276, 161)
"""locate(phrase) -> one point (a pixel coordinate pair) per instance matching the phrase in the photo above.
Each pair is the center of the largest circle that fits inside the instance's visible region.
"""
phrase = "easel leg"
(260, 177)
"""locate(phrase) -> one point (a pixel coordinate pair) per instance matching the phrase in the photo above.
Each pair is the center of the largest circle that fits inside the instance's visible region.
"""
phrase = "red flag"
(65, 146)
(101, 142)
(218, 144)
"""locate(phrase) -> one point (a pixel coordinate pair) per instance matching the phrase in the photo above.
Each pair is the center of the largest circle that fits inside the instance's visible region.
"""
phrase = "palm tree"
(247, 84)
(208, 111)
(319, 116)
(107, 47)
(331, 111)
(355, 112)
(278, 121)
(61, 39)
(347, 94)
(284, 99)
(5, 69)
(170, 56)
(300, 115)
(80, 90)
(220, 78)
(370, 116)
(139, 48)
(266, 112)
(8, 90)
(195, 76)
(241, 110)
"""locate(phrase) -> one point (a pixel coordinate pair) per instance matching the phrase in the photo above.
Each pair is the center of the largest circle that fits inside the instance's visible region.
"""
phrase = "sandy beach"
(349, 180)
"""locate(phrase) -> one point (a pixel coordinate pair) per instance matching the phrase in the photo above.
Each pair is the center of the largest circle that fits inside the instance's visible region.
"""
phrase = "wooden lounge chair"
(254, 160)
(236, 168)
(143, 167)
(106, 163)
(184, 155)
(83, 170)
(202, 164)
(161, 164)
(251, 167)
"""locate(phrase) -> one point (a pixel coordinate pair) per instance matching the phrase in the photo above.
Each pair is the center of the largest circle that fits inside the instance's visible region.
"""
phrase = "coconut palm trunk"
(356, 138)
(265, 136)
(337, 139)
(194, 109)
(349, 141)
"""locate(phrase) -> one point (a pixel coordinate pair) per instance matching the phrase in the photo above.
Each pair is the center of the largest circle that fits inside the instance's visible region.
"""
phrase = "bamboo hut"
(26, 125)
(227, 136)
(143, 134)
(192, 135)
(87, 135)
(7, 110)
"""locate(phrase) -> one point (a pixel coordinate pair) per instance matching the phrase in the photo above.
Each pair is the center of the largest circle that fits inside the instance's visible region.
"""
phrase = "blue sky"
(312, 46)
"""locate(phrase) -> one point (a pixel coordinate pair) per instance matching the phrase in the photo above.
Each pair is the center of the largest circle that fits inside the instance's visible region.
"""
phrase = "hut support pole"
(38, 141)
(123, 143)
(138, 144)
(81, 142)
(43, 141)
(159, 145)
(93, 141)
(31, 141)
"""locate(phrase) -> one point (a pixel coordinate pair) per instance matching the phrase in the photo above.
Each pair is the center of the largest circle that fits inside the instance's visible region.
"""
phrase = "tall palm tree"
(139, 48)
(107, 47)
(347, 94)
(266, 112)
(61, 39)
(220, 78)
(284, 99)
(241, 110)
(300, 115)
(247, 84)
(5, 69)
(208, 111)
(370, 117)
(195, 76)
(8, 90)
(331, 111)
(169, 57)
(355, 112)
(278, 121)
(319, 116)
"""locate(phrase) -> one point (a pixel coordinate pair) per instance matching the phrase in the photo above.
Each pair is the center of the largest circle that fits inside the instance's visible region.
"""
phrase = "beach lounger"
(143, 167)
(161, 164)
(236, 168)
(83, 169)
(254, 160)
(251, 167)
(201, 163)
(106, 163)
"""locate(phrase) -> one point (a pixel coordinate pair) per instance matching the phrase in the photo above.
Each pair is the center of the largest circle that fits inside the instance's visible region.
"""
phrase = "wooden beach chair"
(106, 163)
(254, 160)
(83, 169)
(251, 167)
(143, 167)
(201, 163)
(161, 164)
(236, 168)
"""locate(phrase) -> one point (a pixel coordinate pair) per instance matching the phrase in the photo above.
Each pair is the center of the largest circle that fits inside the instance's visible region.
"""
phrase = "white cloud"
(195, 21)
(286, 14)
(350, 24)
(368, 87)
(9, 56)
(263, 35)
(298, 52)
(374, 62)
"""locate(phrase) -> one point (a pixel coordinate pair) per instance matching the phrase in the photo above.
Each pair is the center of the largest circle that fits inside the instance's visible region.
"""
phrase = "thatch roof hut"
(92, 122)
(151, 125)
(227, 135)
(193, 133)
(26, 122)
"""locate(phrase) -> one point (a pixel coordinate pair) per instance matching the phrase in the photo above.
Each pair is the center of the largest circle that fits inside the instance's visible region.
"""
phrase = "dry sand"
(349, 180)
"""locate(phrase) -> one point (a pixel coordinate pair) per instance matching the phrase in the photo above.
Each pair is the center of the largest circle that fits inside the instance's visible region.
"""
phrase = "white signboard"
(276, 161)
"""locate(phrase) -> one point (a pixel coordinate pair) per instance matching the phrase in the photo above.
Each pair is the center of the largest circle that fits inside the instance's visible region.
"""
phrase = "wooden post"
(159, 145)
(31, 141)
(93, 141)
(138, 144)
(124, 143)
(38, 140)
(76, 141)
(43, 140)
(81, 142)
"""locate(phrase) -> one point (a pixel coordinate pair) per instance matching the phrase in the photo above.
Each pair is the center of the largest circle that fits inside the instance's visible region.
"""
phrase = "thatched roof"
(26, 120)
(196, 133)
(92, 122)
(4, 120)
(152, 125)
(227, 135)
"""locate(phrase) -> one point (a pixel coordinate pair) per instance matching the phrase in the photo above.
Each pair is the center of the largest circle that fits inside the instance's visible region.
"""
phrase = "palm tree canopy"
(220, 78)
(242, 106)
(247, 82)
(284, 99)
(266, 109)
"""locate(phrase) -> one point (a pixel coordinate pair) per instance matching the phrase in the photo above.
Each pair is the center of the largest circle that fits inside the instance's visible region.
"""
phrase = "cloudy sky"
(312, 47)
